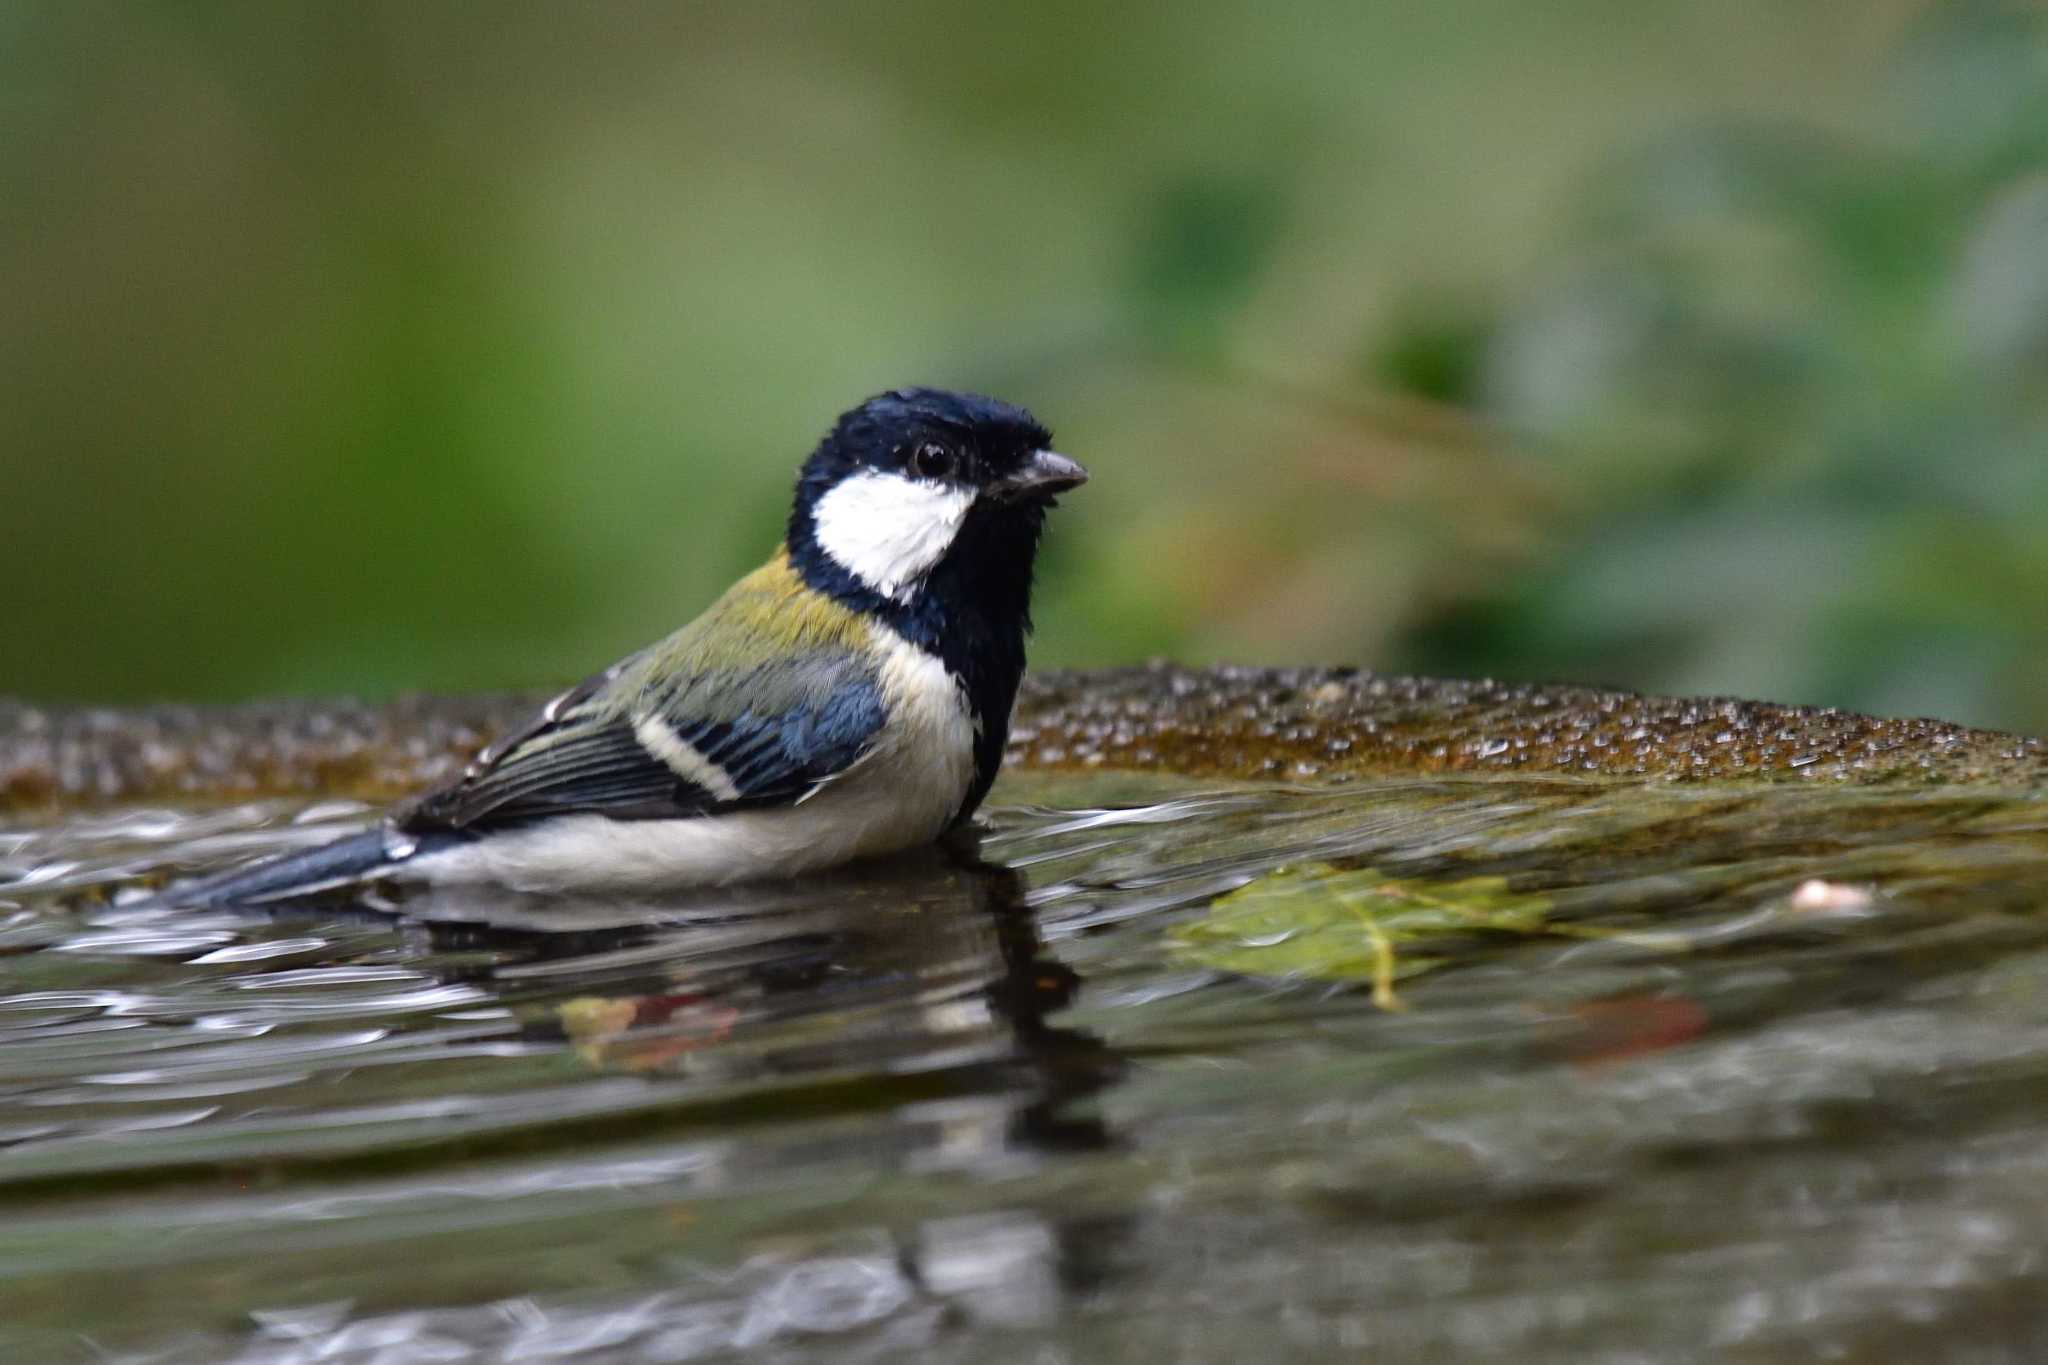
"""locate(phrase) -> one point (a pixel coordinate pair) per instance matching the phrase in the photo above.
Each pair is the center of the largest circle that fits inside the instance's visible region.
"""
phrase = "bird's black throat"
(972, 611)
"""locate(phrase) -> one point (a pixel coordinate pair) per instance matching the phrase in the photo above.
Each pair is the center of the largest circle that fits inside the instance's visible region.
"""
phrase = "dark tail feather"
(342, 863)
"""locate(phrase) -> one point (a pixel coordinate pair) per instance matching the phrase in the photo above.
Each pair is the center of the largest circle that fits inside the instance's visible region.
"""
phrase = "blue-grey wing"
(710, 744)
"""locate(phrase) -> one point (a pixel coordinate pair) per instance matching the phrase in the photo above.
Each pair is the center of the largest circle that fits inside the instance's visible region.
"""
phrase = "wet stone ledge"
(1286, 724)
(1313, 723)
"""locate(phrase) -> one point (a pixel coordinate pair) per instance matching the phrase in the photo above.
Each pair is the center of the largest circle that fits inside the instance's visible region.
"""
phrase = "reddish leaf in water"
(1633, 1026)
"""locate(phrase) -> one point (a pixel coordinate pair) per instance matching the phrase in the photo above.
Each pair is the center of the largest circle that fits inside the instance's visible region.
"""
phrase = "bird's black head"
(920, 491)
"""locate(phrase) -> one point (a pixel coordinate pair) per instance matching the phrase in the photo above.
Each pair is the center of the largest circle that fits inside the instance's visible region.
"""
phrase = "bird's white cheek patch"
(888, 531)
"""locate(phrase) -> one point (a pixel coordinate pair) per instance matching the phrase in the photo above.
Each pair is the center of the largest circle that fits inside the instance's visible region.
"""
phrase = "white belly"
(904, 792)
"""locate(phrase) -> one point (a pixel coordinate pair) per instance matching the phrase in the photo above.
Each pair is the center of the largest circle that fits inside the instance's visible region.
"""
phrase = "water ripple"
(1770, 1072)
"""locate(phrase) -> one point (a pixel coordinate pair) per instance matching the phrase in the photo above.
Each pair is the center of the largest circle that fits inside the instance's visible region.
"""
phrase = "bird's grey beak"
(1045, 473)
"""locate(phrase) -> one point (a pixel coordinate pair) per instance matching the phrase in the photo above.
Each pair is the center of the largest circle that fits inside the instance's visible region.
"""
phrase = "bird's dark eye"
(932, 460)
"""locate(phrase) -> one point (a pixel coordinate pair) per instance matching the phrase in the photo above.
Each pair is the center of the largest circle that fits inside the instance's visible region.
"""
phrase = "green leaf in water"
(1319, 923)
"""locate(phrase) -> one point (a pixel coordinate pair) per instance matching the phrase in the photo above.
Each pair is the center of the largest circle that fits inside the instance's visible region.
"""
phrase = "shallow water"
(1768, 1076)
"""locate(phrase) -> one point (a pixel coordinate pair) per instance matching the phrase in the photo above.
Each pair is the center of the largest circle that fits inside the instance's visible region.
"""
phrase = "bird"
(848, 699)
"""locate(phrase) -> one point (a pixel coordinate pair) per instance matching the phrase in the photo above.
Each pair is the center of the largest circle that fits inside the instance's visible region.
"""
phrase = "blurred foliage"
(1797, 379)
(374, 346)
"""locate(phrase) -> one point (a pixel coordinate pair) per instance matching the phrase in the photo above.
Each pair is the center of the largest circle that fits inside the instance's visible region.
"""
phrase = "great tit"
(849, 698)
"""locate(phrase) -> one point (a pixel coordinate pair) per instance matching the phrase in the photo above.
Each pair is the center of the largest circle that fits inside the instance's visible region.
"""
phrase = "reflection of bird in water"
(913, 993)
(796, 1077)
(914, 981)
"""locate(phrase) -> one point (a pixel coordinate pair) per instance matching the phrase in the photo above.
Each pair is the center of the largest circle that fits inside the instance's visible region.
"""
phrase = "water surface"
(1768, 1076)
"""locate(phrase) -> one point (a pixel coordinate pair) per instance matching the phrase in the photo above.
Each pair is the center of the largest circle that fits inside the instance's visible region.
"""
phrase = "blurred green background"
(378, 346)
